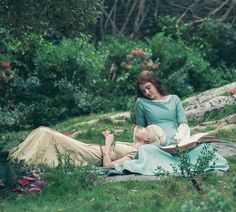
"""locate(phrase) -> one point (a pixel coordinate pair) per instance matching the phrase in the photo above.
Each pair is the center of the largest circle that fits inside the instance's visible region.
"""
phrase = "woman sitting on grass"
(43, 146)
(156, 106)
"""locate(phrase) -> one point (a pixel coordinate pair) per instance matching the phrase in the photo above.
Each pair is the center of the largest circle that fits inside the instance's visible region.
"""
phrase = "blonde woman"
(43, 144)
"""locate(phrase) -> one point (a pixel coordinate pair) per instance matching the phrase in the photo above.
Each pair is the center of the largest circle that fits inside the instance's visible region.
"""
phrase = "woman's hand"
(106, 133)
(177, 139)
(183, 131)
(109, 137)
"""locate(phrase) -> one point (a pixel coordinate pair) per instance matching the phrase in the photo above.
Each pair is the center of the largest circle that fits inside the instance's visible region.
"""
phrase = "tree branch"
(128, 16)
(219, 8)
(231, 7)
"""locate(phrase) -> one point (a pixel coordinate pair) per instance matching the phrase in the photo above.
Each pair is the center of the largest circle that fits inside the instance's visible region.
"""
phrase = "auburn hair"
(149, 76)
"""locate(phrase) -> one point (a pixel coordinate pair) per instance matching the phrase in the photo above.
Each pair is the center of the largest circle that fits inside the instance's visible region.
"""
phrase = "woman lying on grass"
(152, 134)
(43, 146)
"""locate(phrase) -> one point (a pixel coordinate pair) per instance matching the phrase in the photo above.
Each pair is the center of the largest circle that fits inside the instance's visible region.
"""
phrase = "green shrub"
(227, 75)
(182, 69)
(126, 59)
(20, 83)
(217, 41)
(172, 54)
(214, 39)
(167, 25)
(37, 113)
(76, 61)
(22, 51)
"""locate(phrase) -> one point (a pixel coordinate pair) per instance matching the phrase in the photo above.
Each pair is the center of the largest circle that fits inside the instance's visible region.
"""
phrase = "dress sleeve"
(139, 113)
(180, 113)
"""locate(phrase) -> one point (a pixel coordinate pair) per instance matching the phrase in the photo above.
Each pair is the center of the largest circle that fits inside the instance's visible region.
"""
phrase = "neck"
(137, 144)
(158, 97)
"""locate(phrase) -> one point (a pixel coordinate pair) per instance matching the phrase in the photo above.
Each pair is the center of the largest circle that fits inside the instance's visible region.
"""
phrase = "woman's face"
(141, 135)
(149, 90)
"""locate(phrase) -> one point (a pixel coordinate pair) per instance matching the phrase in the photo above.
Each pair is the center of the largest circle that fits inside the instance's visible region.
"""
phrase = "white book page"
(191, 139)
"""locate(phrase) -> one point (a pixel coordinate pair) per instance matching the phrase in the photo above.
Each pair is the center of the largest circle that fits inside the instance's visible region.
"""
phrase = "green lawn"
(77, 189)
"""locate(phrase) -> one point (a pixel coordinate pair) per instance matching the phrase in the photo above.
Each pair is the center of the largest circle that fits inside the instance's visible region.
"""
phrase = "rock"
(131, 177)
(197, 106)
(226, 123)
(225, 148)
(111, 117)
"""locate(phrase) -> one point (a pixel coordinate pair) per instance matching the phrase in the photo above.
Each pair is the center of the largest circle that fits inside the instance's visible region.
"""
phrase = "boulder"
(197, 106)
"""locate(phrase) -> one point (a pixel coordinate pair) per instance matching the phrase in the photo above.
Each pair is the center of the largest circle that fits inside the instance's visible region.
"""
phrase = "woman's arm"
(109, 139)
(183, 131)
(139, 114)
(110, 164)
(107, 162)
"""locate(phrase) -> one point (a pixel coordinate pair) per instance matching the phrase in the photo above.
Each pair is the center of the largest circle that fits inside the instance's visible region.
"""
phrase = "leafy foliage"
(183, 69)
(126, 58)
(52, 19)
(189, 169)
(42, 82)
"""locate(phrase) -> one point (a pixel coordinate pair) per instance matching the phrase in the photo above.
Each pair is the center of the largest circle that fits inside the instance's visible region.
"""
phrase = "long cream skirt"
(43, 144)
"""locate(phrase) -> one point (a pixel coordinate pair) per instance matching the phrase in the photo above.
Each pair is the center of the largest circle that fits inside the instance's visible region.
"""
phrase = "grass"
(228, 135)
(165, 195)
(75, 189)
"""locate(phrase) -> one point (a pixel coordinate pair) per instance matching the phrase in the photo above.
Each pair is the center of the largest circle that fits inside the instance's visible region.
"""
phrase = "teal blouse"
(166, 114)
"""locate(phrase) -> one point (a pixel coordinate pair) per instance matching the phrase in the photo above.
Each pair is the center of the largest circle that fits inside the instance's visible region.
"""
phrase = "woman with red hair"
(155, 106)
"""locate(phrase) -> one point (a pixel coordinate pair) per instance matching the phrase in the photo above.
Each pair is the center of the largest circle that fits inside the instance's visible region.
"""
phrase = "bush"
(214, 39)
(29, 116)
(75, 61)
(167, 25)
(182, 69)
(126, 58)
(217, 41)
(226, 75)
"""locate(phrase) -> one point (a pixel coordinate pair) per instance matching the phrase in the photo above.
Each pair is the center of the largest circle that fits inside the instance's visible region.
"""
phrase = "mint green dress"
(168, 115)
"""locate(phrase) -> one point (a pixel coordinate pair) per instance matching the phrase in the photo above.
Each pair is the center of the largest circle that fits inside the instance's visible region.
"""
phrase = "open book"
(188, 143)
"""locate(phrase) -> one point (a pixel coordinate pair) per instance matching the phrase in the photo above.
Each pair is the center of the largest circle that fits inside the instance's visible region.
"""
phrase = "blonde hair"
(155, 133)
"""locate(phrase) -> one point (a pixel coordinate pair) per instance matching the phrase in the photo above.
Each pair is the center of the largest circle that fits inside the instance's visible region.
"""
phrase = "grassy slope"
(64, 192)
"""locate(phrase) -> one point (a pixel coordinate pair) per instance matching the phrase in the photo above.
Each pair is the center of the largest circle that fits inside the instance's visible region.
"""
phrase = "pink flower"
(6, 64)
(140, 52)
(137, 51)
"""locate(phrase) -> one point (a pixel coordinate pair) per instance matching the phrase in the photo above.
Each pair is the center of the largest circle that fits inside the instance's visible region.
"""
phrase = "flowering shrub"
(136, 61)
(140, 60)
(5, 72)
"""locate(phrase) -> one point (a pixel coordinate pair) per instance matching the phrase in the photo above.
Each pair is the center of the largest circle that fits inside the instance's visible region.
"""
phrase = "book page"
(187, 141)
